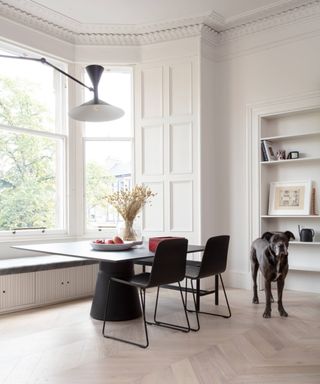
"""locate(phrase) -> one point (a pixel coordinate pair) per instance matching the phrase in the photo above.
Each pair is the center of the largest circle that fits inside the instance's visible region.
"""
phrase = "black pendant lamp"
(94, 110)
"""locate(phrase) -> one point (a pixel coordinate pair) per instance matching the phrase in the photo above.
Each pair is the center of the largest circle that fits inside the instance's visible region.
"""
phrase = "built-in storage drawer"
(17, 291)
(61, 284)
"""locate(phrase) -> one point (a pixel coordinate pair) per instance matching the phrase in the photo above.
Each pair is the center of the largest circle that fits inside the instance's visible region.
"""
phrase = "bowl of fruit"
(114, 244)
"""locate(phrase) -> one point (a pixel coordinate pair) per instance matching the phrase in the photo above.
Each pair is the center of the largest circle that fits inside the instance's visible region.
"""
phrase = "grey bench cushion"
(40, 263)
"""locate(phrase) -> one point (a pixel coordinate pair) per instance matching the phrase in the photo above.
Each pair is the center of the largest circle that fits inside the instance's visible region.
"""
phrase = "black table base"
(124, 300)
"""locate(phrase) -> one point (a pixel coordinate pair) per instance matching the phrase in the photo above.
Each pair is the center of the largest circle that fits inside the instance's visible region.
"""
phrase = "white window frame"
(61, 191)
(108, 231)
(60, 121)
(105, 230)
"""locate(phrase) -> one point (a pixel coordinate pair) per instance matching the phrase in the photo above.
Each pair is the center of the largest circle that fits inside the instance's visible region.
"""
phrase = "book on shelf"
(268, 150)
(313, 207)
(264, 156)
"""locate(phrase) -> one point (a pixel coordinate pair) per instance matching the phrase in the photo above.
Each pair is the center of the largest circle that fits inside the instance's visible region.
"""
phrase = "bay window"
(35, 192)
(32, 147)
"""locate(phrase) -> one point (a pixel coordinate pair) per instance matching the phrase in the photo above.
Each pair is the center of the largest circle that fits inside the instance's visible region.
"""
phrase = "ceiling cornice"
(273, 9)
(213, 27)
(298, 13)
(36, 18)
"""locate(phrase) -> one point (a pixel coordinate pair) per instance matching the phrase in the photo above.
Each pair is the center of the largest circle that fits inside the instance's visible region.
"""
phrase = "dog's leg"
(271, 297)
(267, 287)
(280, 285)
(254, 271)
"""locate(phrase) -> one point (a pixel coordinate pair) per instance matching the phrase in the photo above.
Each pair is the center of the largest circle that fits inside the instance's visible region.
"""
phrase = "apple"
(117, 240)
(109, 241)
(99, 241)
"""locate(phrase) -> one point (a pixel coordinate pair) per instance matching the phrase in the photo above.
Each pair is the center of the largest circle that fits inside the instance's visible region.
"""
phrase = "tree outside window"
(31, 155)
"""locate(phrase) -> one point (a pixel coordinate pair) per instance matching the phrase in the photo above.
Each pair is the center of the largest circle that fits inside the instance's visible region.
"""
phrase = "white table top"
(83, 249)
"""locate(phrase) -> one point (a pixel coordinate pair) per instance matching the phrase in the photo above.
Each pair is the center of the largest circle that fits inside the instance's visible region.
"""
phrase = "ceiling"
(152, 11)
(137, 22)
(146, 12)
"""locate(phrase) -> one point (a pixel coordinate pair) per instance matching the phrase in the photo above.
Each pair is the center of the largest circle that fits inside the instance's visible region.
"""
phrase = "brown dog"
(270, 254)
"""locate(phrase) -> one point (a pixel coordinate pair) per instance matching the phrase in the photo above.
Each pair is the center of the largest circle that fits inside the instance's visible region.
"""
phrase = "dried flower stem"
(129, 202)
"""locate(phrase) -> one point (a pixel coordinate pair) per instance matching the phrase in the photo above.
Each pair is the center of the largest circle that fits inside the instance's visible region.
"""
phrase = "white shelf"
(292, 132)
(290, 216)
(277, 162)
(303, 268)
(289, 137)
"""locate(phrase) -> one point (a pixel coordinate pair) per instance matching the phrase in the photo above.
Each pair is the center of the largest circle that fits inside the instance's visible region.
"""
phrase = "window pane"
(27, 94)
(30, 188)
(115, 88)
(108, 169)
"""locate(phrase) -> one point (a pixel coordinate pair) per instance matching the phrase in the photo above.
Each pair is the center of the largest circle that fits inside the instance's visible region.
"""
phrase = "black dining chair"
(169, 266)
(148, 261)
(214, 262)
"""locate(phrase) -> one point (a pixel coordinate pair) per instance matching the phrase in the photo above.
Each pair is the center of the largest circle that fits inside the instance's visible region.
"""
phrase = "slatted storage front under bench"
(35, 281)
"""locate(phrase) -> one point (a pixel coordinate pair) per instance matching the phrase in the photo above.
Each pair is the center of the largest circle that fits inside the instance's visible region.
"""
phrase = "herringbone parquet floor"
(61, 344)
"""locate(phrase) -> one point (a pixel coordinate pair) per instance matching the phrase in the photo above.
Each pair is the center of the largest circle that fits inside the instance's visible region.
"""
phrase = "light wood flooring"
(61, 344)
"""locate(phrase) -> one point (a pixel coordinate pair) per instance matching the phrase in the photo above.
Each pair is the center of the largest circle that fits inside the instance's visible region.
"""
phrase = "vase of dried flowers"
(127, 231)
(128, 203)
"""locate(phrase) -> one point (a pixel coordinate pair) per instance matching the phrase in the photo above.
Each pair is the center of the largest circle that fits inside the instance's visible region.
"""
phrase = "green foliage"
(27, 171)
(28, 163)
(98, 185)
(18, 108)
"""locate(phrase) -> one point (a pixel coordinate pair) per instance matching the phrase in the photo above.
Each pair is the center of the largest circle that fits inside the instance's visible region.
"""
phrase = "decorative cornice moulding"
(74, 32)
(285, 17)
(210, 35)
(139, 38)
(275, 8)
(215, 21)
(35, 21)
(213, 28)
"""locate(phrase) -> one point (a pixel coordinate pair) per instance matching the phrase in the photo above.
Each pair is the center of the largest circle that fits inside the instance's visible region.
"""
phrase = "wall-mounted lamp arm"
(44, 61)
(95, 110)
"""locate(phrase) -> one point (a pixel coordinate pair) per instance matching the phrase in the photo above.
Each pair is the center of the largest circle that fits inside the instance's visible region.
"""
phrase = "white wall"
(278, 69)
(167, 137)
(213, 153)
(247, 69)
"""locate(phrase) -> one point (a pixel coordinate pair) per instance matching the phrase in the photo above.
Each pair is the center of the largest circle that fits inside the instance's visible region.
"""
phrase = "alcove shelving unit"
(293, 131)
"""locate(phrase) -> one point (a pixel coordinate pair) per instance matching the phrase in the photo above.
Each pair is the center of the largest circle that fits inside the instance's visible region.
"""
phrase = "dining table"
(124, 302)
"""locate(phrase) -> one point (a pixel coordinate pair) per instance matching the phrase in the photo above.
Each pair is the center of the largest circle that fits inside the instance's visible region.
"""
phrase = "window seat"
(30, 282)
(40, 263)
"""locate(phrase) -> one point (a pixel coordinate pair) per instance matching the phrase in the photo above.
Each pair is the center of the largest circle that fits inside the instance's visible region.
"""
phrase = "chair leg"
(170, 325)
(143, 301)
(106, 308)
(216, 290)
(225, 295)
(226, 298)
(198, 295)
(143, 304)
(195, 302)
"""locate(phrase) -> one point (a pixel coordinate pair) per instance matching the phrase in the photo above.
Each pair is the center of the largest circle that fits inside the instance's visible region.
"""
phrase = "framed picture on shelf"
(290, 197)
(268, 150)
